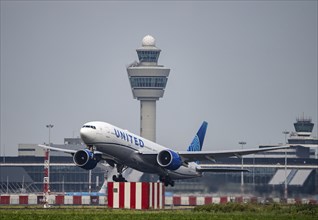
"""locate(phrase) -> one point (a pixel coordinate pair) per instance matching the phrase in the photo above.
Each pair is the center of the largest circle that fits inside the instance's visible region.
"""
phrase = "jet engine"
(86, 159)
(169, 159)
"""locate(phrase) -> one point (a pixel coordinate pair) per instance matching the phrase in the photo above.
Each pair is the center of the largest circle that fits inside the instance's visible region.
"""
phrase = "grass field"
(226, 212)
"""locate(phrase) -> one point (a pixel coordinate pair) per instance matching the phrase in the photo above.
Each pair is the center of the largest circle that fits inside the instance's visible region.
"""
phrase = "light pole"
(242, 177)
(254, 173)
(285, 188)
(90, 181)
(46, 179)
(49, 126)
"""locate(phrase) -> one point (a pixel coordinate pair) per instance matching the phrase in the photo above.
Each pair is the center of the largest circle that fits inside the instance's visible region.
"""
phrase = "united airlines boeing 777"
(121, 149)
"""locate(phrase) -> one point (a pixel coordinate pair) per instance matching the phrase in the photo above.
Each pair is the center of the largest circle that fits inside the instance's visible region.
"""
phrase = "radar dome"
(148, 41)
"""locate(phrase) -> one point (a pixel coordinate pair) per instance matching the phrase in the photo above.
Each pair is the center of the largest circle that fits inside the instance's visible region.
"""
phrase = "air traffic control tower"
(148, 82)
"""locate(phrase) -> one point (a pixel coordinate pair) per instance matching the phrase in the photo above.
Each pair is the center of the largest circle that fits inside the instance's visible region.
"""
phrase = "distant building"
(303, 133)
(302, 142)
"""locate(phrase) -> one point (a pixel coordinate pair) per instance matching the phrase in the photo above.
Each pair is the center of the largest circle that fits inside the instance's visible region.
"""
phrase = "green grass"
(231, 211)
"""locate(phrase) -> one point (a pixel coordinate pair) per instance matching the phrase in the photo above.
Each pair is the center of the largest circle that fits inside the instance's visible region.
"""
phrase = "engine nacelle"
(86, 159)
(169, 159)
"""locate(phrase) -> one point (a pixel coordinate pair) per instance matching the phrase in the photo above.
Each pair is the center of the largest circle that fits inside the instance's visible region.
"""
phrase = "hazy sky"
(249, 68)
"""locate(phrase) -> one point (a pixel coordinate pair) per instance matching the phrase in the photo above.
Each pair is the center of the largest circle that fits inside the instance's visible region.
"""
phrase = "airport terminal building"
(298, 165)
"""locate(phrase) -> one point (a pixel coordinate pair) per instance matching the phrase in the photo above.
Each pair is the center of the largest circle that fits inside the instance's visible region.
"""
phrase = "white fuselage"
(126, 148)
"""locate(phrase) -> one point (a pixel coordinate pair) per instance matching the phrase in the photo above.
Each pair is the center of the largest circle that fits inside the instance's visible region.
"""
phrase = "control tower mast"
(148, 82)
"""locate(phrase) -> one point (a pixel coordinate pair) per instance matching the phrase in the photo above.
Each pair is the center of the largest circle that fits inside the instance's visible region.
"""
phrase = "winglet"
(197, 142)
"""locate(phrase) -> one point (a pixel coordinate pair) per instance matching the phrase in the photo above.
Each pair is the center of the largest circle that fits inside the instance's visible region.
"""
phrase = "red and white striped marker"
(46, 179)
(135, 195)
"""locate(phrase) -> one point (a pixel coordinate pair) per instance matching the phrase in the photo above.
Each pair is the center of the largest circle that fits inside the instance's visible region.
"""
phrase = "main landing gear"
(119, 178)
(120, 170)
(166, 180)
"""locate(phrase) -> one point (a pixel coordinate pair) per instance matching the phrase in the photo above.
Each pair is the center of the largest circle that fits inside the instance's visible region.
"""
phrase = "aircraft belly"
(139, 163)
(129, 157)
(183, 173)
(119, 155)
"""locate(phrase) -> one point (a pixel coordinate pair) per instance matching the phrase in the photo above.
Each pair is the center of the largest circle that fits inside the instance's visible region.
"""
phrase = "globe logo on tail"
(195, 145)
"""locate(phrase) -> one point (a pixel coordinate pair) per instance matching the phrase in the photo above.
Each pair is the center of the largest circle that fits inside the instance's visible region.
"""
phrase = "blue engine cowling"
(86, 159)
(169, 159)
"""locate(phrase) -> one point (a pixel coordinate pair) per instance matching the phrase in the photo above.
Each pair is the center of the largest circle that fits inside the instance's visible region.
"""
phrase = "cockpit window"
(89, 126)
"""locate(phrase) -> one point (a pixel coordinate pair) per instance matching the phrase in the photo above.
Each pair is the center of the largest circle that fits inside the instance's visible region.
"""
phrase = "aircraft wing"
(68, 151)
(190, 156)
(207, 168)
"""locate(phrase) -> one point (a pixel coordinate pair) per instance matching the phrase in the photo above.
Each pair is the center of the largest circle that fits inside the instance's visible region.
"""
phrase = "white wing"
(189, 156)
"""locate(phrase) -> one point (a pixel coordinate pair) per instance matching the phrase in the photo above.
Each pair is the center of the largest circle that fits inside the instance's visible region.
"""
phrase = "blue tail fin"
(197, 142)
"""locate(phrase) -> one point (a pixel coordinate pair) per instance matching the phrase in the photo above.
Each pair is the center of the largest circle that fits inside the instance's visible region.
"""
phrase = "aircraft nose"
(84, 133)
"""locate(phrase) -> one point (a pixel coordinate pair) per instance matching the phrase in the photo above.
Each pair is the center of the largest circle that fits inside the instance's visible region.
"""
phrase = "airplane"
(122, 149)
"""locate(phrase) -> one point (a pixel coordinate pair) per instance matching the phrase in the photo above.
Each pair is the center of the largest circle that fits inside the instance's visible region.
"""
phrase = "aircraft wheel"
(161, 179)
(115, 179)
(121, 179)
